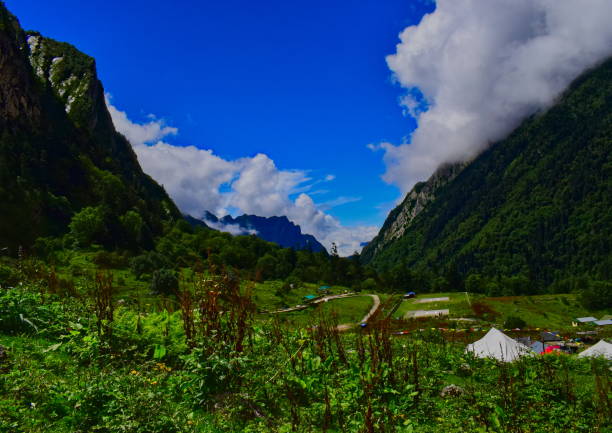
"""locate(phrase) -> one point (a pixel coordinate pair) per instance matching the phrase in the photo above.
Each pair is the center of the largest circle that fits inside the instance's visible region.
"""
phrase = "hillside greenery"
(530, 214)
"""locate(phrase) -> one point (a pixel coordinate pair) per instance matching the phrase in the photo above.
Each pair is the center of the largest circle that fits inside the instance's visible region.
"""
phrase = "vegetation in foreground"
(84, 362)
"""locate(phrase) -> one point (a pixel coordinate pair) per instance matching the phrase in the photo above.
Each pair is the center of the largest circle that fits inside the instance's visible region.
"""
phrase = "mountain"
(415, 201)
(272, 229)
(59, 150)
(537, 205)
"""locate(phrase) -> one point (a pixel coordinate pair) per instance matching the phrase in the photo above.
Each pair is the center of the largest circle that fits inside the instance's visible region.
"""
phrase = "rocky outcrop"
(19, 102)
(413, 204)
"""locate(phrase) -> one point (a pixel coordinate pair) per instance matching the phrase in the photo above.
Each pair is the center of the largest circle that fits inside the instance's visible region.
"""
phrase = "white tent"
(498, 345)
(600, 349)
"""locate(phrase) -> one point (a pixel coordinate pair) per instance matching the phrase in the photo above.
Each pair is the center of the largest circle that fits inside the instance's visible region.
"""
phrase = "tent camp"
(496, 344)
(600, 349)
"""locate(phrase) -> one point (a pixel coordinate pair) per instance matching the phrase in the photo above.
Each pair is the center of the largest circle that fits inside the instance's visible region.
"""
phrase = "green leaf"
(52, 348)
(159, 351)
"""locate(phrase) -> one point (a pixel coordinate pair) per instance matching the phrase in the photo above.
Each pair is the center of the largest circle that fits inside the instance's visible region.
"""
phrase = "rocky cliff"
(416, 200)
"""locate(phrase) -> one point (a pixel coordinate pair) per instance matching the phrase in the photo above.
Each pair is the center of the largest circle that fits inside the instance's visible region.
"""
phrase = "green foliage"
(242, 375)
(9, 276)
(147, 263)
(164, 282)
(132, 224)
(514, 322)
(598, 295)
(22, 311)
(86, 225)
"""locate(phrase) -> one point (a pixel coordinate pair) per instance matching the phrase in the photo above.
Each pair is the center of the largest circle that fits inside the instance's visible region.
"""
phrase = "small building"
(409, 295)
(585, 319)
(603, 322)
(309, 298)
(324, 289)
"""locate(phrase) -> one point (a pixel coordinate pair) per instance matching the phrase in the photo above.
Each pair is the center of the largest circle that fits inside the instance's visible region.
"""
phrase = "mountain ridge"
(277, 229)
(59, 150)
(535, 205)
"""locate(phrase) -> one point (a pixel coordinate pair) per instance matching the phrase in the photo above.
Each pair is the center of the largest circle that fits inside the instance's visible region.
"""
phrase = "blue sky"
(306, 83)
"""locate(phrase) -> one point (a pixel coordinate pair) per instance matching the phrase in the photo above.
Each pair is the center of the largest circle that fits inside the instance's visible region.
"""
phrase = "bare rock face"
(18, 101)
(419, 197)
(415, 201)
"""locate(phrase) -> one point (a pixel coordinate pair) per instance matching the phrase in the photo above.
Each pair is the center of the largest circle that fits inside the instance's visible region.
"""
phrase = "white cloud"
(234, 229)
(135, 133)
(199, 181)
(474, 69)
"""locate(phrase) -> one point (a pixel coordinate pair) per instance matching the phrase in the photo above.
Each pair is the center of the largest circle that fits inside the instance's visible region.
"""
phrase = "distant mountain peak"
(277, 229)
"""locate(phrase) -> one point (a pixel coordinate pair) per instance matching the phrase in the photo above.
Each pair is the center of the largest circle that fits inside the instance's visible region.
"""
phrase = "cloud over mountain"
(474, 69)
(199, 181)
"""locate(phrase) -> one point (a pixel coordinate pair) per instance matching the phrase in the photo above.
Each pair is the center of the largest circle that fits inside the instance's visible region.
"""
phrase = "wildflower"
(154, 382)
(134, 372)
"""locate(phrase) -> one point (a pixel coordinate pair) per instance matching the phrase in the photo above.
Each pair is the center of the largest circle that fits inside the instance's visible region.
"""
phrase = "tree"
(267, 266)
(132, 223)
(597, 296)
(87, 225)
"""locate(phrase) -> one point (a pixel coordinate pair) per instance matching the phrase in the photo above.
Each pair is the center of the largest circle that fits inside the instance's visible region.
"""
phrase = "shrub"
(107, 260)
(164, 282)
(514, 322)
(22, 312)
(8, 276)
(86, 225)
(148, 263)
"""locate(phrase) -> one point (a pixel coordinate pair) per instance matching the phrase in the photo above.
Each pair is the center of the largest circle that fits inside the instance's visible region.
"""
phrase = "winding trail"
(347, 326)
(344, 326)
(316, 301)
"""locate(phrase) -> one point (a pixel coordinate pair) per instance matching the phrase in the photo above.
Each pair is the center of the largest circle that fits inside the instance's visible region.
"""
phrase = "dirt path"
(345, 326)
(376, 304)
(373, 309)
(316, 301)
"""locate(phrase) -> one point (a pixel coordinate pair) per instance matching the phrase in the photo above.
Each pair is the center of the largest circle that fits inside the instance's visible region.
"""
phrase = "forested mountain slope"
(537, 205)
(59, 151)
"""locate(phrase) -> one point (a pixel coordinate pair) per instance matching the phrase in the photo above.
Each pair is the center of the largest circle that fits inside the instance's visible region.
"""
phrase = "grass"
(348, 310)
(457, 304)
(554, 311)
(543, 311)
(268, 295)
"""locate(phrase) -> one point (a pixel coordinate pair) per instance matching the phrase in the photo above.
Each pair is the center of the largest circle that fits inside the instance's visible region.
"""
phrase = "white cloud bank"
(199, 181)
(474, 69)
